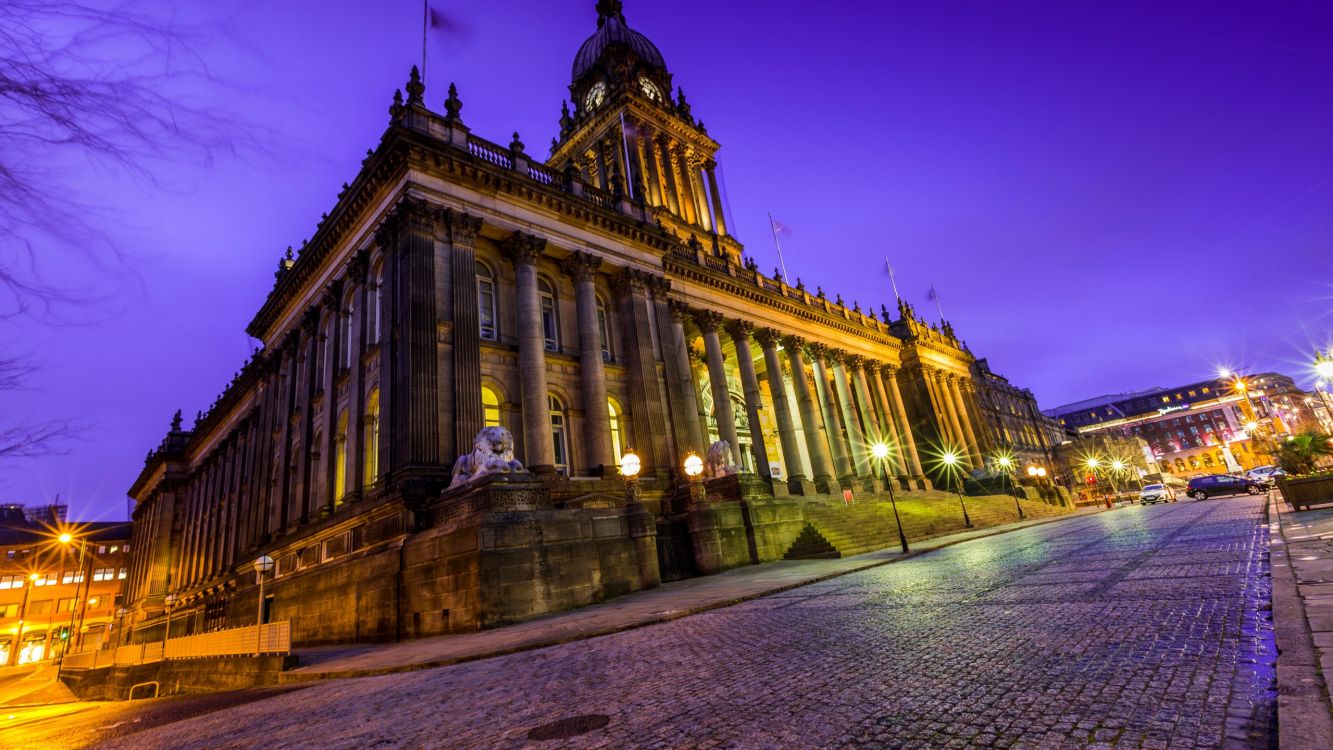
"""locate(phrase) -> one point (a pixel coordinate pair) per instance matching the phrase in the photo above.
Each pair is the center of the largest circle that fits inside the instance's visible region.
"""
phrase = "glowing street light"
(1006, 462)
(950, 460)
(630, 466)
(66, 539)
(694, 469)
(694, 466)
(880, 451)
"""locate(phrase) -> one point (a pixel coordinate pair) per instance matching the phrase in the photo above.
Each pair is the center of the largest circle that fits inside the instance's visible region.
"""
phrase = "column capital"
(818, 351)
(359, 266)
(740, 330)
(790, 341)
(767, 337)
(413, 215)
(659, 284)
(837, 356)
(463, 227)
(310, 320)
(332, 298)
(854, 361)
(680, 312)
(522, 248)
(631, 280)
(581, 266)
(708, 320)
(888, 369)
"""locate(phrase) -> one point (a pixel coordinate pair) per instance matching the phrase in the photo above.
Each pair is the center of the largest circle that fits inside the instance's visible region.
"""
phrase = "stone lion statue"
(718, 463)
(492, 453)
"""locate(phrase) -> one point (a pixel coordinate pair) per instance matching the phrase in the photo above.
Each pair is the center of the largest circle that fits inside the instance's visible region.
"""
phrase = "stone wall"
(176, 677)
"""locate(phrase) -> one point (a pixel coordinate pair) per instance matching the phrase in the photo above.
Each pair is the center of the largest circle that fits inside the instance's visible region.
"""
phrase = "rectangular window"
(71, 576)
(286, 565)
(9, 610)
(104, 574)
(308, 557)
(336, 547)
(123, 572)
(11, 582)
(65, 605)
(45, 579)
(42, 607)
(486, 307)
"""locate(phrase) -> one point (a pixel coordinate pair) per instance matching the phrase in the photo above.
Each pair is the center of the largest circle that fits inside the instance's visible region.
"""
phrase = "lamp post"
(168, 604)
(880, 451)
(1007, 463)
(694, 469)
(66, 539)
(950, 460)
(630, 465)
(263, 566)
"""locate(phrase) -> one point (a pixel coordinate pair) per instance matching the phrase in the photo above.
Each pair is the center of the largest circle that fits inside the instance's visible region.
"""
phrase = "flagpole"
(938, 306)
(425, 24)
(774, 228)
(894, 282)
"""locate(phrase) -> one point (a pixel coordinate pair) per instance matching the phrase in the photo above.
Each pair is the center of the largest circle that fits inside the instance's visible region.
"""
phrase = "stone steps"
(811, 545)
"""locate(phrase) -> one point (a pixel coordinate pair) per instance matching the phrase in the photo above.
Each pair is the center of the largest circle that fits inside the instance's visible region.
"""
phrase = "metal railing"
(273, 638)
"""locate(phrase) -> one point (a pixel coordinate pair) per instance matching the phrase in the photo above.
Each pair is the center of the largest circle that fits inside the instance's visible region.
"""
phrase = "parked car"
(1267, 474)
(1156, 493)
(1201, 488)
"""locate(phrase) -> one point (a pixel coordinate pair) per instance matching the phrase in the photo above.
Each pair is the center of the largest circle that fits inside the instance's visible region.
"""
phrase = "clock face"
(650, 89)
(596, 95)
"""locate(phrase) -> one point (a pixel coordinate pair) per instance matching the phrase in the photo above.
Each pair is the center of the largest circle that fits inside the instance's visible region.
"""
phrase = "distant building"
(1015, 423)
(1205, 427)
(45, 594)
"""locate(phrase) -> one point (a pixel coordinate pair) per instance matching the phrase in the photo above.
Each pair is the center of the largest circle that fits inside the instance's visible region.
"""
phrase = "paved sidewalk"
(1302, 564)
(671, 601)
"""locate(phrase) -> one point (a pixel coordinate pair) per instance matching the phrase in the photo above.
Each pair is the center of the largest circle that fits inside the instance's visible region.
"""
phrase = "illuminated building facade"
(591, 303)
(45, 594)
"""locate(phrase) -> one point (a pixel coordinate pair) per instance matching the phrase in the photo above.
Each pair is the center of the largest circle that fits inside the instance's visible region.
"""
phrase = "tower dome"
(612, 30)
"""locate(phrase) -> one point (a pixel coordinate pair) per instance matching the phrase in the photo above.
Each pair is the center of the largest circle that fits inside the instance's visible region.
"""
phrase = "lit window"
(349, 326)
(550, 325)
(340, 458)
(11, 582)
(559, 438)
(371, 442)
(617, 447)
(1166, 399)
(377, 306)
(486, 301)
(71, 576)
(603, 333)
(490, 407)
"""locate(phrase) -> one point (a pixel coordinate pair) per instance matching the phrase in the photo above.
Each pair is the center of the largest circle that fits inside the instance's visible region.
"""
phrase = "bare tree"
(87, 87)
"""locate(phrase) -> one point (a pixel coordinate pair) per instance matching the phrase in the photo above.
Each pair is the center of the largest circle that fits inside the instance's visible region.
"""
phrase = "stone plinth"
(718, 535)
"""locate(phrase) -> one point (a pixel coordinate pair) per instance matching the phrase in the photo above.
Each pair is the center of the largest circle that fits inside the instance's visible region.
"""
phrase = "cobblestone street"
(1144, 627)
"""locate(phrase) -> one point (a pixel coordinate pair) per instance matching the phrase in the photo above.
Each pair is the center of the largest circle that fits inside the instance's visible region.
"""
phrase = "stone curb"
(286, 678)
(1304, 717)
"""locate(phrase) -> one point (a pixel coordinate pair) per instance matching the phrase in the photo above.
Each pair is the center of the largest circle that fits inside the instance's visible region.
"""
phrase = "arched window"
(377, 305)
(490, 407)
(617, 441)
(349, 323)
(550, 325)
(486, 302)
(340, 458)
(370, 444)
(603, 331)
(559, 437)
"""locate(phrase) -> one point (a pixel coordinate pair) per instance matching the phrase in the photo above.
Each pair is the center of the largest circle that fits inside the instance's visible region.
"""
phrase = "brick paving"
(1143, 628)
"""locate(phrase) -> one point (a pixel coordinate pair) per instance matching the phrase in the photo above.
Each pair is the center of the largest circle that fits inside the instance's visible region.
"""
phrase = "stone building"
(1016, 424)
(591, 303)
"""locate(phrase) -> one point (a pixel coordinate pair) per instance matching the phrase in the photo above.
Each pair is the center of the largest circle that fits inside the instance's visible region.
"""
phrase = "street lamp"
(263, 565)
(950, 460)
(630, 465)
(694, 469)
(880, 451)
(1007, 463)
(66, 538)
(168, 604)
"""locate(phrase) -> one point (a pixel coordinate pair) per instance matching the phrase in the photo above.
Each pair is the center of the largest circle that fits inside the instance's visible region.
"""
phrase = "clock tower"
(626, 134)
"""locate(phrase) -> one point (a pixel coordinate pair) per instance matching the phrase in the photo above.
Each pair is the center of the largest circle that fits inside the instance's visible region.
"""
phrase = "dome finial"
(610, 9)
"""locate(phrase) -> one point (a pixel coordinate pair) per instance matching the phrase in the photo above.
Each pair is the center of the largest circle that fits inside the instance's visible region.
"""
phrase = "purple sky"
(1108, 196)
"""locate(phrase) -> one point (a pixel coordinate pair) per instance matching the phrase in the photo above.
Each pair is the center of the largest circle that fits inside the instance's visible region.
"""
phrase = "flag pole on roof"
(934, 295)
(778, 228)
(893, 282)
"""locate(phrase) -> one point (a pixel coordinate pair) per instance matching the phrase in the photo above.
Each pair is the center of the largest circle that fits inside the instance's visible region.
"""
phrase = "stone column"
(887, 421)
(708, 322)
(791, 449)
(647, 406)
(740, 335)
(582, 268)
(860, 452)
(816, 435)
(523, 250)
(685, 391)
(969, 433)
(662, 155)
(358, 272)
(468, 417)
(711, 167)
(951, 414)
(874, 429)
(410, 231)
(837, 443)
